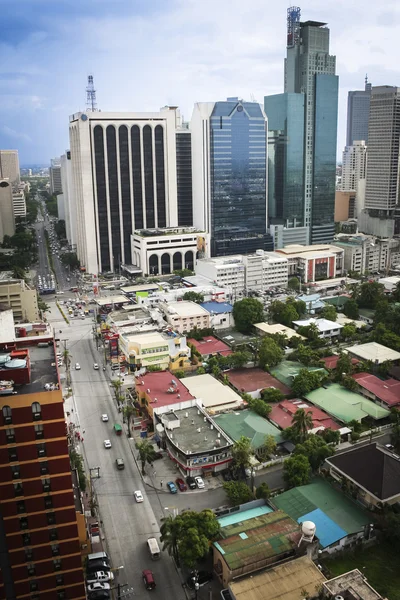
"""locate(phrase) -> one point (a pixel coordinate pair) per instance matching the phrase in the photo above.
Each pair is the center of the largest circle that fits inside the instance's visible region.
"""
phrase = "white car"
(77, 367)
(138, 496)
(199, 482)
(99, 585)
(99, 576)
(107, 444)
(104, 418)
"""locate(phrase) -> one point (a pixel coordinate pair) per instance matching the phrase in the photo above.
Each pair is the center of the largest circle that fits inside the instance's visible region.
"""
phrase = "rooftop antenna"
(293, 26)
(91, 103)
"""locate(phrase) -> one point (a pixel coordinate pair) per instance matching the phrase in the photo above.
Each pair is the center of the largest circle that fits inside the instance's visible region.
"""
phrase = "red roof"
(210, 345)
(283, 412)
(387, 391)
(251, 380)
(156, 385)
(331, 361)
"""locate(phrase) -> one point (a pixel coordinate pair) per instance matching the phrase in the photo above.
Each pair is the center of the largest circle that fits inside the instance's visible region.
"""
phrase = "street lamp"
(196, 585)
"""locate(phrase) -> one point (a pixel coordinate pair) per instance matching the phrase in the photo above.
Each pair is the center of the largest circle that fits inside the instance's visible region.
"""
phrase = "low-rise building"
(352, 584)
(21, 299)
(109, 303)
(249, 424)
(210, 346)
(374, 352)
(213, 394)
(273, 328)
(287, 370)
(154, 348)
(185, 316)
(326, 328)
(283, 412)
(372, 473)
(254, 381)
(320, 261)
(159, 392)
(364, 252)
(220, 313)
(194, 441)
(389, 283)
(386, 393)
(224, 271)
(330, 362)
(265, 270)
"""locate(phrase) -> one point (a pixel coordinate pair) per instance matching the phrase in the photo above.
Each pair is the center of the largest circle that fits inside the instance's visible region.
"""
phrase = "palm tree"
(170, 530)
(128, 412)
(146, 453)
(301, 423)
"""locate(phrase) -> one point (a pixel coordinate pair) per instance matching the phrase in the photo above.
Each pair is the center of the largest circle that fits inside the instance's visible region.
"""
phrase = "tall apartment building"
(9, 166)
(40, 548)
(55, 176)
(19, 204)
(358, 102)
(7, 222)
(124, 177)
(184, 176)
(229, 155)
(354, 166)
(285, 114)
(68, 198)
(18, 296)
(310, 70)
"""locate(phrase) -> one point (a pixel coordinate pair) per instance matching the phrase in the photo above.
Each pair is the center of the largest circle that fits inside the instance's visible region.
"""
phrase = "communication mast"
(293, 26)
(91, 103)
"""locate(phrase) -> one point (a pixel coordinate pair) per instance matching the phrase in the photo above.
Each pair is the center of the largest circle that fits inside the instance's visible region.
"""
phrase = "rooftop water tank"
(308, 528)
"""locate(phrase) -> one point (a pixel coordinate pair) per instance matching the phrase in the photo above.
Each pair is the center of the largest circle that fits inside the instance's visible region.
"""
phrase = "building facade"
(265, 270)
(314, 263)
(229, 158)
(7, 222)
(185, 316)
(9, 166)
(358, 102)
(124, 178)
(39, 535)
(363, 253)
(19, 205)
(21, 299)
(310, 70)
(184, 176)
(226, 272)
(55, 176)
(354, 166)
(68, 199)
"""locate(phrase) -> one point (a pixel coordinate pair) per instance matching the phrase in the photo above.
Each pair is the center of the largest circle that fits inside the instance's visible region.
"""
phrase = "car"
(94, 566)
(199, 482)
(99, 576)
(77, 367)
(138, 496)
(201, 577)
(172, 487)
(107, 444)
(389, 446)
(104, 418)
(98, 585)
(181, 484)
(120, 464)
(191, 482)
(99, 595)
(148, 579)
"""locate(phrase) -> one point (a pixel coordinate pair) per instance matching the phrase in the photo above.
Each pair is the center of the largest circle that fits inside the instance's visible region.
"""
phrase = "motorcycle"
(104, 368)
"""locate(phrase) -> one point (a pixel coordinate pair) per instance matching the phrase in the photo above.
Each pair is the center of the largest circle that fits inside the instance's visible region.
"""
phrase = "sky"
(145, 54)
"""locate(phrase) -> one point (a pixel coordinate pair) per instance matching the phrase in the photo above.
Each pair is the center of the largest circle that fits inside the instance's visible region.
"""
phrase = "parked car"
(104, 418)
(95, 366)
(202, 577)
(199, 482)
(97, 565)
(172, 487)
(181, 484)
(191, 482)
(148, 579)
(99, 585)
(99, 576)
(77, 367)
(107, 444)
(99, 595)
(138, 496)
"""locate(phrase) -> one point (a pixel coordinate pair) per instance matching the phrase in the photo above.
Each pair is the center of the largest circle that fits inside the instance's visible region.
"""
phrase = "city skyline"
(197, 54)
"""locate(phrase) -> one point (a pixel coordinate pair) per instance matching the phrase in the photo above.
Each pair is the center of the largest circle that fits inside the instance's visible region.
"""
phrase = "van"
(103, 556)
(154, 549)
(120, 464)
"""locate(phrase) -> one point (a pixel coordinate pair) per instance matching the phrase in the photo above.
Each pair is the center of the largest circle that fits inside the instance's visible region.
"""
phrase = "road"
(127, 525)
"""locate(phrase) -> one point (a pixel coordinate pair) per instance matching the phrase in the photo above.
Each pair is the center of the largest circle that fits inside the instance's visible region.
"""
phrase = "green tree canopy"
(263, 491)
(70, 259)
(272, 395)
(349, 383)
(246, 312)
(238, 359)
(270, 353)
(315, 449)
(330, 436)
(242, 453)
(147, 454)
(350, 309)
(329, 312)
(296, 470)
(306, 381)
(371, 292)
(294, 284)
(344, 365)
(268, 447)
(259, 406)
(348, 331)
(238, 492)
(287, 312)
(193, 297)
(306, 355)
(302, 421)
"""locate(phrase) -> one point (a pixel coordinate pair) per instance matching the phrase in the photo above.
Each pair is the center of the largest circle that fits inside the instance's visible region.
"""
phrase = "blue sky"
(146, 54)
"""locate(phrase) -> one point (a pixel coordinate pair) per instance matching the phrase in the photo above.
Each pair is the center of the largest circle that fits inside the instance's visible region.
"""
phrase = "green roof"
(320, 494)
(287, 370)
(345, 405)
(254, 540)
(336, 300)
(249, 424)
(369, 313)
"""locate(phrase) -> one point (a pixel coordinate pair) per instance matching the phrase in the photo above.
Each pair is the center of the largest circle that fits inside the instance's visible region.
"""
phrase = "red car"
(148, 579)
(181, 485)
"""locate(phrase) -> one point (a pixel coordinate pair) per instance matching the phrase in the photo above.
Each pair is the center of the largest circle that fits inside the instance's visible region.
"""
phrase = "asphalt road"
(127, 525)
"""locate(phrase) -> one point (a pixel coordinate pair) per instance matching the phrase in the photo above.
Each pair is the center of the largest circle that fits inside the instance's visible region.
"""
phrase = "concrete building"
(310, 71)
(162, 251)
(55, 176)
(131, 158)
(20, 298)
(326, 328)
(161, 392)
(358, 104)
(220, 313)
(354, 166)
(282, 414)
(19, 205)
(7, 222)
(61, 206)
(345, 206)
(7, 330)
(69, 199)
(184, 175)
(153, 348)
(390, 283)
(184, 316)
(213, 394)
(364, 253)
(9, 166)
(348, 585)
(43, 535)
(229, 159)
(265, 270)
(226, 272)
(384, 392)
(374, 352)
(313, 263)
(210, 346)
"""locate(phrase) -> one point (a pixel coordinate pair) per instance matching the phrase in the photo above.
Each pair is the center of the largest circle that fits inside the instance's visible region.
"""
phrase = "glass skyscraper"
(358, 102)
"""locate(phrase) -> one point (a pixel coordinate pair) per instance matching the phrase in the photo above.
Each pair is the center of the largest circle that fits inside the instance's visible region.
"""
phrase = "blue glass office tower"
(229, 141)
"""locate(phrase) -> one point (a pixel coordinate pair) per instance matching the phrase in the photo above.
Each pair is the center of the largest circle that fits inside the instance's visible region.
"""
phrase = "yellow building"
(154, 348)
(22, 300)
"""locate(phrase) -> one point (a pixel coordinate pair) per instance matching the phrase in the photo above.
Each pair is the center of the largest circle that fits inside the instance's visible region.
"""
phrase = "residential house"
(374, 352)
(326, 328)
(383, 392)
(185, 316)
(254, 381)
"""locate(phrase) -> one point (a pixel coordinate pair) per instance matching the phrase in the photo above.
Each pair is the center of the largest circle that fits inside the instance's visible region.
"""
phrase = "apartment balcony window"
(31, 570)
(21, 506)
(48, 502)
(28, 551)
(15, 471)
(36, 411)
(35, 596)
(61, 595)
(39, 433)
(10, 435)
(12, 454)
(18, 489)
(53, 535)
(41, 450)
(7, 415)
(51, 518)
(34, 586)
(23, 523)
(57, 564)
(59, 580)
(46, 485)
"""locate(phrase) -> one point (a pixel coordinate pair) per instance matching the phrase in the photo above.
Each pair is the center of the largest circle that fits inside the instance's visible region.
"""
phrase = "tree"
(70, 259)
(396, 293)
(272, 395)
(246, 312)
(117, 386)
(238, 492)
(306, 355)
(306, 381)
(263, 491)
(147, 454)
(294, 284)
(351, 309)
(193, 297)
(18, 273)
(60, 229)
(270, 353)
(349, 383)
(170, 532)
(238, 359)
(259, 406)
(183, 272)
(296, 470)
(129, 411)
(242, 453)
(348, 331)
(315, 449)
(311, 331)
(329, 312)
(284, 312)
(344, 365)
(268, 447)
(371, 292)
(302, 421)
(330, 436)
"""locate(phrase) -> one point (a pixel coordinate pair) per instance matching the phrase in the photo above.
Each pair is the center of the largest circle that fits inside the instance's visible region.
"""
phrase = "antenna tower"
(91, 103)
(293, 26)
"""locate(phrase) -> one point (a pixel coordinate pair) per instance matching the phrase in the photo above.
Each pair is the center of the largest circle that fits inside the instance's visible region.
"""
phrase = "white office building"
(9, 166)
(55, 176)
(364, 253)
(265, 270)
(354, 166)
(226, 271)
(19, 204)
(124, 177)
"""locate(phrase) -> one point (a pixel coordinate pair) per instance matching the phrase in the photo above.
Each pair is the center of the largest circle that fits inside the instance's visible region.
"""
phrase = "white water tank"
(308, 528)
